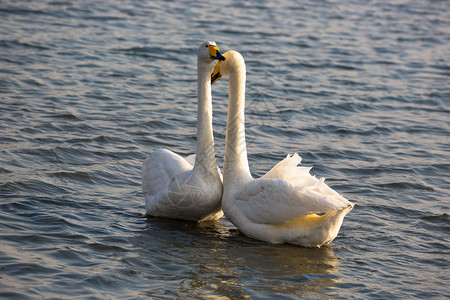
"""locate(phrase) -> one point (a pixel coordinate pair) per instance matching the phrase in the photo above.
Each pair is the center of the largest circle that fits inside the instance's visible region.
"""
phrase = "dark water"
(89, 88)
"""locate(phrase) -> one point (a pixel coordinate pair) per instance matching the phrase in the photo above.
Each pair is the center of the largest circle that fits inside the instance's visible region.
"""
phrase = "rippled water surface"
(360, 89)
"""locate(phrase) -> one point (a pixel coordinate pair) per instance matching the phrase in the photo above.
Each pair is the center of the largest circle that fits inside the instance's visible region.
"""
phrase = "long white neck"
(205, 160)
(235, 168)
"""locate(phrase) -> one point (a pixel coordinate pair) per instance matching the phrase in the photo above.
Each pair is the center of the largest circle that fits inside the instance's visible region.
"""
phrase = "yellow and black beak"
(214, 53)
(216, 73)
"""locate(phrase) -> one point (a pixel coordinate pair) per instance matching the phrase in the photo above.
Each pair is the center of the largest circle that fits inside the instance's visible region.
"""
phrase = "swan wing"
(191, 159)
(160, 168)
(273, 200)
(287, 169)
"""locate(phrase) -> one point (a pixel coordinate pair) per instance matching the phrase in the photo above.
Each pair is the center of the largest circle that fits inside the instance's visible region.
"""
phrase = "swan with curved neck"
(191, 188)
(286, 205)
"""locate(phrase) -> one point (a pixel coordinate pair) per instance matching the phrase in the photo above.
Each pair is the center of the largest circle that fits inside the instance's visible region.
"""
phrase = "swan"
(188, 189)
(286, 205)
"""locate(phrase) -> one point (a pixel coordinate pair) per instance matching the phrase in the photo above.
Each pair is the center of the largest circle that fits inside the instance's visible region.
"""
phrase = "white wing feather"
(294, 194)
(160, 168)
(191, 159)
(287, 169)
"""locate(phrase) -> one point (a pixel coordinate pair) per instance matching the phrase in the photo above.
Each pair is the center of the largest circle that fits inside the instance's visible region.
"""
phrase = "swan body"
(286, 205)
(188, 188)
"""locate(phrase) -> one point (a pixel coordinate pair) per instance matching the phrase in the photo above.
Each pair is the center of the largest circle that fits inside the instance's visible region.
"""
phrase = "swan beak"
(216, 73)
(214, 53)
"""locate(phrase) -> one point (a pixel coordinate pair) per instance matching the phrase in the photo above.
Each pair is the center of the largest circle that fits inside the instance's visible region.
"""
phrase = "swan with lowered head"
(191, 188)
(286, 205)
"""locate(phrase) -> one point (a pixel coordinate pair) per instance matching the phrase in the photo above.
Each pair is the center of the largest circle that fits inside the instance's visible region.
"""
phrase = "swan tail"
(322, 197)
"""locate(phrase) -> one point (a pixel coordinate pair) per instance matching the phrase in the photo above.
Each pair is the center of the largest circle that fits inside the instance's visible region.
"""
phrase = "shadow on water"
(213, 258)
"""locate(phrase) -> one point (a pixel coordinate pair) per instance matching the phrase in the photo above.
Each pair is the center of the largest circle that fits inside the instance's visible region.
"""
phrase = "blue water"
(360, 89)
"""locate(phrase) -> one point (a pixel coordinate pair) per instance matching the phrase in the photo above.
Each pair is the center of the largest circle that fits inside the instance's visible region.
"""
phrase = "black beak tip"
(215, 77)
(219, 56)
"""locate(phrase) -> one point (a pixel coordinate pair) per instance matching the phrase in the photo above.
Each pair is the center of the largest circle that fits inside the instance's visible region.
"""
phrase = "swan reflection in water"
(213, 258)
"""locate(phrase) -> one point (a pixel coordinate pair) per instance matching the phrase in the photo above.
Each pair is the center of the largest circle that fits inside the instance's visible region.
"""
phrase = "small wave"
(405, 185)
(442, 218)
(146, 52)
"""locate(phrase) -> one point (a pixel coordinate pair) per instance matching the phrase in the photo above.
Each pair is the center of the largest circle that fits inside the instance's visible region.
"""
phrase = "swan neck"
(205, 158)
(236, 166)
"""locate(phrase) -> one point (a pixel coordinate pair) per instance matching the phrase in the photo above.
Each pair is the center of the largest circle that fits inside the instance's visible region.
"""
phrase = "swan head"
(233, 63)
(209, 51)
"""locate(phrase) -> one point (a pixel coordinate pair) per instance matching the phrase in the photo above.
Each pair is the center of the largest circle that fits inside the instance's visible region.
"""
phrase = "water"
(89, 88)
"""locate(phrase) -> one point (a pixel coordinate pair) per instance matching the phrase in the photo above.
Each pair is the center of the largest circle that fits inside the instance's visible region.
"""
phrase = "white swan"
(287, 205)
(191, 188)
